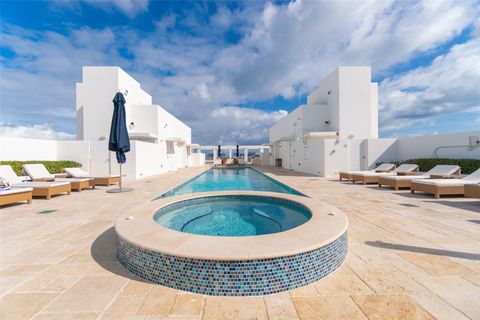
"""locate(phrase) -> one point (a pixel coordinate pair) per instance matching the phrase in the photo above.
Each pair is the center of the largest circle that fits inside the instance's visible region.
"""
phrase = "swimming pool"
(224, 179)
(233, 215)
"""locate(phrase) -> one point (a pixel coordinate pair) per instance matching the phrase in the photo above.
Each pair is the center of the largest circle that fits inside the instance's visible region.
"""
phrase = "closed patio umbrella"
(238, 151)
(219, 151)
(119, 141)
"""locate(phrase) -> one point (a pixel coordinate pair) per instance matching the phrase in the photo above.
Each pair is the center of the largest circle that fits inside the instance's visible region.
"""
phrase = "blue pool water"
(234, 216)
(231, 179)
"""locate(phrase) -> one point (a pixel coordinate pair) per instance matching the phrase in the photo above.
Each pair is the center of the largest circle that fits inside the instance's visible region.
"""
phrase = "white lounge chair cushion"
(37, 171)
(406, 167)
(443, 169)
(241, 161)
(373, 173)
(445, 182)
(79, 173)
(15, 190)
(73, 179)
(405, 178)
(385, 166)
(229, 161)
(38, 184)
(76, 172)
(472, 178)
(7, 173)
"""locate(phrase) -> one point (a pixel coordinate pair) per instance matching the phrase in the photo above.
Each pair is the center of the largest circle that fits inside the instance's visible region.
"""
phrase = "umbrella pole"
(120, 183)
(120, 188)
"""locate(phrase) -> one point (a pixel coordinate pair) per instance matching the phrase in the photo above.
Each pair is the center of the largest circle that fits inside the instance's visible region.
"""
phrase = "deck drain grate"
(408, 204)
(46, 211)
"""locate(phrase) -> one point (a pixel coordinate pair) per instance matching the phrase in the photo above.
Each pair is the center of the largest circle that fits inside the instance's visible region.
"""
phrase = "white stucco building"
(338, 130)
(159, 141)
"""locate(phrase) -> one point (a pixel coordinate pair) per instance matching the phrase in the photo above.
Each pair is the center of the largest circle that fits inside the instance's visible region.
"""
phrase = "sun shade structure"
(119, 141)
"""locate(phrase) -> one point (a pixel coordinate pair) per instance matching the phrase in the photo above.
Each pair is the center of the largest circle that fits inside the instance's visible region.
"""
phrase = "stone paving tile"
(187, 305)
(437, 307)
(458, 292)
(281, 307)
(220, 308)
(159, 301)
(340, 307)
(391, 307)
(404, 263)
(66, 316)
(342, 282)
(24, 305)
(128, 301)
(89, 294)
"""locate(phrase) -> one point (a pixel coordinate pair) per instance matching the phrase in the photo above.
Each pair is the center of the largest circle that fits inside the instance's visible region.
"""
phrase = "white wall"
(355, 103)
(27, 149)
(34, 149)
(146, 157)
(380, 150)
(423, 146)
(78, 151)
(94, 99)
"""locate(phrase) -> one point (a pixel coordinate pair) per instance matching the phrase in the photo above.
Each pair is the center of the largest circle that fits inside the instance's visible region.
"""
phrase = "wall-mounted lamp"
(166, 125)
(329, 92)
(126, 92)
(327, 122)
(102, 138)
(131, 125)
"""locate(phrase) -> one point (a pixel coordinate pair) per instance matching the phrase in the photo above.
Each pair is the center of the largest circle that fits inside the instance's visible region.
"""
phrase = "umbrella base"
(119, 190)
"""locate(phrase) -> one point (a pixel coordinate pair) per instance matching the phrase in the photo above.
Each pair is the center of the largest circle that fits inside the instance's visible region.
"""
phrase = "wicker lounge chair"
(15, 195)
(403, 180)
(381, 168)
(41, 189)
(99, 180)
(372, 177)
(439, 187)
(38, 172)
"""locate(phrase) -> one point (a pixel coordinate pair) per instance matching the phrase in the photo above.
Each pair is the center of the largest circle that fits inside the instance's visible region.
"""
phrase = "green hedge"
(52, 166)
(468, 165)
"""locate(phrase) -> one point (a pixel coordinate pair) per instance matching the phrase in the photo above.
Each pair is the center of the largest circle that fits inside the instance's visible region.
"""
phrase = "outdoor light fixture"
(329, 92)
(126, 92)
(327, 122)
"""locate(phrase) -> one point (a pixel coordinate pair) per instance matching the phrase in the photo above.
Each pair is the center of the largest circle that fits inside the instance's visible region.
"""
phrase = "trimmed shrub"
(468, 165)
(52, 166)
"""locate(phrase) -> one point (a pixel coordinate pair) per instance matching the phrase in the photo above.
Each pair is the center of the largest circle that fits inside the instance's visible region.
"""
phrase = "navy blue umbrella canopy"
(119, 140)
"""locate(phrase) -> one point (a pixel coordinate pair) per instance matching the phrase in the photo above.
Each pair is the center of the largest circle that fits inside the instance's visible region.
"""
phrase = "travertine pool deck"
(410, 257)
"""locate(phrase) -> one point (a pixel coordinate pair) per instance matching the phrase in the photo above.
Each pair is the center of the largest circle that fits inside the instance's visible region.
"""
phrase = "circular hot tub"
(233, 215)
(233, 243)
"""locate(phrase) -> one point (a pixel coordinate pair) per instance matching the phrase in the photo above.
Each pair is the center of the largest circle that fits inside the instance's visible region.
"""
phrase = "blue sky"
(241, 65)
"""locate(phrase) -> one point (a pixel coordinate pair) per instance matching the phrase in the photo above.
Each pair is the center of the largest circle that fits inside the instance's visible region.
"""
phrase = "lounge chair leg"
(69, 192)
(396, 188)
(412, 191)
(48, 197)
(29, 201)
(379, 185)
(437, 195)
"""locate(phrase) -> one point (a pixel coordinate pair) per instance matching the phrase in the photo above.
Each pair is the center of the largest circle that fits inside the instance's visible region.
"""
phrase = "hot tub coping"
(142, 231)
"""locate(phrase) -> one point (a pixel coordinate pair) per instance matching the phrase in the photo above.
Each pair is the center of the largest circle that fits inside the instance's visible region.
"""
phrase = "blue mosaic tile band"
(233, 277)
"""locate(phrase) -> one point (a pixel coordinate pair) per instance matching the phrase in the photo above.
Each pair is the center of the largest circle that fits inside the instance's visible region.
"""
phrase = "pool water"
(234, 216)
(226, 179)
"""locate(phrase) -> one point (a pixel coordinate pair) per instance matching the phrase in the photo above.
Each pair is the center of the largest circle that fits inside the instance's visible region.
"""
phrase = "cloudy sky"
(232, 69)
